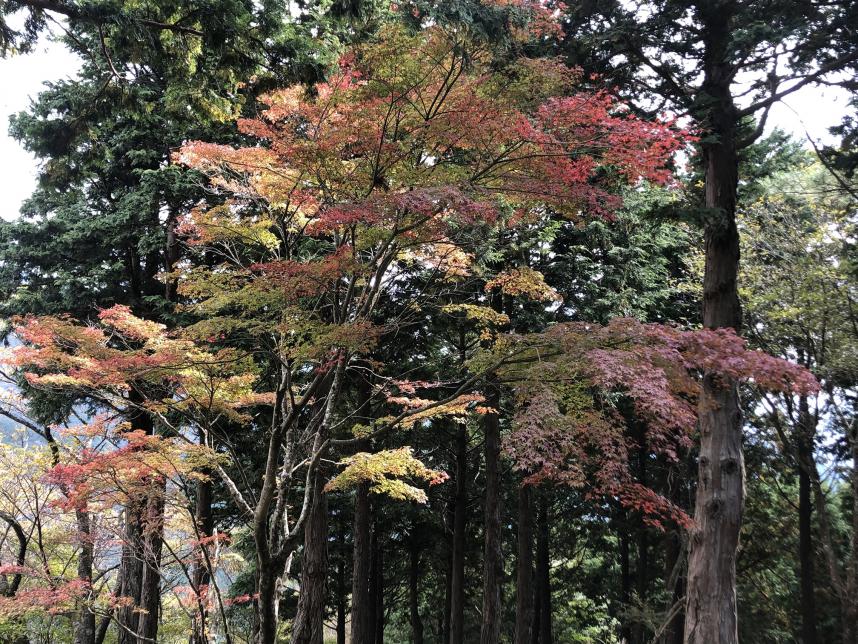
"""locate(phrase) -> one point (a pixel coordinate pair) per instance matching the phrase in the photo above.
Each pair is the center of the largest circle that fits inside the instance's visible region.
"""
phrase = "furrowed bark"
(457, 583)
(524, 574)
(362, 605)
(414, 592)
(493, 557)
(711, 597)
(308, 627)
(543, 572)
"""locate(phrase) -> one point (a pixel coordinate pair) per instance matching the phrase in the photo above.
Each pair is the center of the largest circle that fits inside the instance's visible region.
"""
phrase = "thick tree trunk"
(362, 604)
(414, 593)
(308, 627)
(457, 583)
(543, 572)
(493, 557)
(524, 573)
(711, 597)
(131, 571)
(84, 632)
(153, 540)
(266, 605)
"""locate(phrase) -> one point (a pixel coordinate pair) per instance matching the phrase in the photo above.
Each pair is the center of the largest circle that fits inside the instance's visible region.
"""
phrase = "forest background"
(354, 321)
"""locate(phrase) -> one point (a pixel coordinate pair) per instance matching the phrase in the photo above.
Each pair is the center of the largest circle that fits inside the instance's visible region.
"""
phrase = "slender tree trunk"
(414, 593)
(711, 597)
(362, 610)
(850, 614)
(448, 589)
(457, 584)
(493, 558)
(805, 522)
(524, 573)
(625, 579)
(341, 603)
(378, 587)
(543, 571)
(642, 569)
(308, 627)
(673, 631)
(85, 627)
(200, 575)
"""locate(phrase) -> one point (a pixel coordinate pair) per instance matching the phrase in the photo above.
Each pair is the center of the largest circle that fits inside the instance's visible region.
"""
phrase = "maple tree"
(385, 168)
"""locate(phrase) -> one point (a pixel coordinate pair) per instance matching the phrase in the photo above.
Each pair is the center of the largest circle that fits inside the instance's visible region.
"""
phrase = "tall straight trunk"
(625, 578)
(377, 587)
(524, 573)
(362, 604)
(543, 572)
(341, 603)
(457, 583)
(200, 574)
(448, 591)
(493, 557)
(805, 523)
(642, 569)
(711, 597)
(850, 613)
(84, 632)
(414, 593)
(153, 540)
(308, 627)
(131, 570)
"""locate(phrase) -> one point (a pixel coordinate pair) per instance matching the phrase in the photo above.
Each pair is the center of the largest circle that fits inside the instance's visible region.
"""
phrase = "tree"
(693, 56)
(388, 165)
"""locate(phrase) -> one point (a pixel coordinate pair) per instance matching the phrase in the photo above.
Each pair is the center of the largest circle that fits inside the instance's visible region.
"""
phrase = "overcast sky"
(22, 77)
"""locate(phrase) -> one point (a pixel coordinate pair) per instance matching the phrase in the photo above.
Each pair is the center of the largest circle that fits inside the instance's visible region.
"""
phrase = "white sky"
(22, 77)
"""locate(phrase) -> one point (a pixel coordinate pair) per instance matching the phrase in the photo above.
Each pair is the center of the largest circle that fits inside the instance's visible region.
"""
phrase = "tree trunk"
(378, 587)
(524, 574)
(362, 604)
(493, 558)
(642, 569)
(131, 571)
(84, 632)
(153, 540)
(341, 602)
(805, 518)
(457, 584)
(625, 577)
(308, 627)
(543, 572)
(266, 605)
(448, 587)
(711, 597)
(200, 575)
(414, 593)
